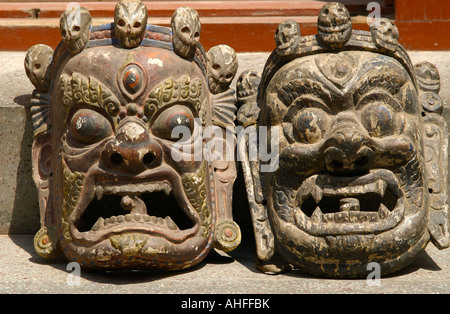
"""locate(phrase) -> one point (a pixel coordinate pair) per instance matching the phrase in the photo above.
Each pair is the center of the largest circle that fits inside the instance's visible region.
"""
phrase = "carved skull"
(429, 85)
(74, 24)
(427, 76)
(186, 29)
(130, 21)
(37, 66)
(334, 24)
(385, 33)
(222, 67)
(287, 31)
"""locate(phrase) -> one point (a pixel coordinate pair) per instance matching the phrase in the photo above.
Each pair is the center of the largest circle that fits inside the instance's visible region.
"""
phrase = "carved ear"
(247, 116)
(436, 152)
(247, 142)
(227, 235)
(46, 240)
(42, 172)
(436, 157)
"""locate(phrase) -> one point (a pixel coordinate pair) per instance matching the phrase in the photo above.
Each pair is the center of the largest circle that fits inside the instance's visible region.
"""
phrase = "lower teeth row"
(133, 218)
(352, 216)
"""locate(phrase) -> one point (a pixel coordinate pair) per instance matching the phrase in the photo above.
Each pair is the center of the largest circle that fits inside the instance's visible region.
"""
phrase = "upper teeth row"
(133, 189)
(103, 223)
(378, 187)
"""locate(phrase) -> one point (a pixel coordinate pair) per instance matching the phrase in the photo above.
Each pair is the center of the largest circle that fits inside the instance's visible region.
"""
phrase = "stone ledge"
(23, 271)
(19, 213)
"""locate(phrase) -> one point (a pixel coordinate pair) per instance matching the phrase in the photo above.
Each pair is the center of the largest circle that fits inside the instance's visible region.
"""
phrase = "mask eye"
(310, 124)
(89, 127)
(174, 124)
(378, 119)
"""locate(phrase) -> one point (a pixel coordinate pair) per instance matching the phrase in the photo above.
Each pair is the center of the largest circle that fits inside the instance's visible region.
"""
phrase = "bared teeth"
(139, 188)
(171, 224)
(383, 212)
(317, 194)
(381, 186)
(112, 221)
(98, 225)
(378, 187)
(317, 215)
(167, 189)
(99, 192)
(350, 217)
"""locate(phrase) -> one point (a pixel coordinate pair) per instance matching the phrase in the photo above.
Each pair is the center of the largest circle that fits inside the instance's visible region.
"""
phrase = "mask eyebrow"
(386, 80)
(170, 91)
(289, 92)
(79, 89)
(379, 95)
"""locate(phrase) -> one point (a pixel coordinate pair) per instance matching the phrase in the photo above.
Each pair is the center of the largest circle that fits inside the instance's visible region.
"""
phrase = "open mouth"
(339, 205)
(151, 207)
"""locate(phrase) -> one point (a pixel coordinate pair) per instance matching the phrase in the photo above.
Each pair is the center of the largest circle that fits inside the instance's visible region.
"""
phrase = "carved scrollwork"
(172, 91)
(72, 185)
(195, 188)
(79, 89)
(46, 242)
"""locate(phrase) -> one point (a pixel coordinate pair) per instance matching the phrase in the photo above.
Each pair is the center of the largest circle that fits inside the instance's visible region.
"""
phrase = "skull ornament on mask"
(287, 36)
(119, 188)
(222, 67)
(186, 26)
(37, 66)
(130, 22)
(74, 24)
(362, 160)
(334, 24)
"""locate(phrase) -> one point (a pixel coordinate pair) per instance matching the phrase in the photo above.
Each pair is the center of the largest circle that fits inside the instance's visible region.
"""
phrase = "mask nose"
(133, 150)
(346, 150)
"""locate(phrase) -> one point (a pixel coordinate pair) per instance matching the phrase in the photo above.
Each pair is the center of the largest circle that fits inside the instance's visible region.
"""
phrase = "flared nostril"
(148, 159)
(361, 162)
(348, 161)
(334, 159)
(116, 158)
(336, 164)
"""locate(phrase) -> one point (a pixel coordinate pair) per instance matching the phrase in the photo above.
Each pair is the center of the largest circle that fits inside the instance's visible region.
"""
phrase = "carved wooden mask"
(114, 193)
(362, 158)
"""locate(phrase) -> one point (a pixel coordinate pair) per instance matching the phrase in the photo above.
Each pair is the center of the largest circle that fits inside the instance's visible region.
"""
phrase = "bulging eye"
(378, 119)
(174, 124)
(89, 127)
(310, 124)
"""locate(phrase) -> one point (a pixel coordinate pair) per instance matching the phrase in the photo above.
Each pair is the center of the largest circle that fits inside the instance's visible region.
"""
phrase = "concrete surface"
(23, 271)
